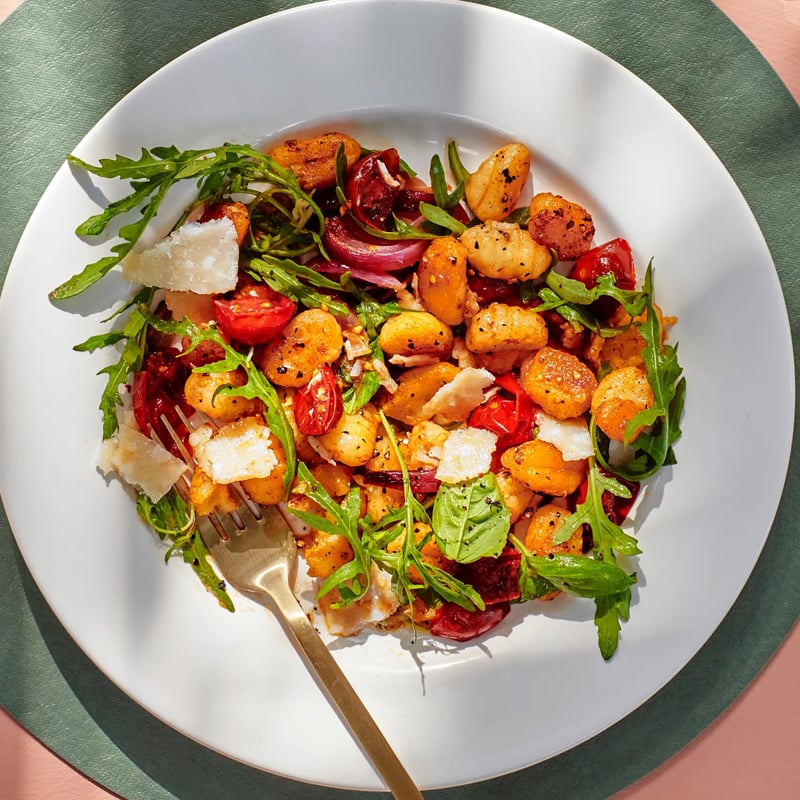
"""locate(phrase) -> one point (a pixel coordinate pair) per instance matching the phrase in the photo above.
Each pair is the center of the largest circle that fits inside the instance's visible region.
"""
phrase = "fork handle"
(340, 692)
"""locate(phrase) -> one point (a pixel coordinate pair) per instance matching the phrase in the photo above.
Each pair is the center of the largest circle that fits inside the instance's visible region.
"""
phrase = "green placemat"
(64, 64)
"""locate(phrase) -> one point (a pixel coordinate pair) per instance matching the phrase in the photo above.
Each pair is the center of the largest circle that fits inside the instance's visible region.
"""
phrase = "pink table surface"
(748, 753)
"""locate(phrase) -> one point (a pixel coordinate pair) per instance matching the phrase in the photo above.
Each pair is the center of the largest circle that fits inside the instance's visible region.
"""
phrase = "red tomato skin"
(254, 314)
(454, 622)
(318, 405)
(496, 580)
(155, 391)
(511, 418)
(370, 195)
(612, 258)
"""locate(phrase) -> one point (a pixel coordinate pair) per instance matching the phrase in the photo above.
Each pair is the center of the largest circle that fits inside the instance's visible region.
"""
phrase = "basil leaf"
(471, 520)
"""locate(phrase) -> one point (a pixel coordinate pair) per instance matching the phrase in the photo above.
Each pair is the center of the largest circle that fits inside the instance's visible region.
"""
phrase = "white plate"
(537, 686)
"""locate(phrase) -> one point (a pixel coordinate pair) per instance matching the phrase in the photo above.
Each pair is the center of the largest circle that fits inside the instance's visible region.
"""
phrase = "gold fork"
(255, 551)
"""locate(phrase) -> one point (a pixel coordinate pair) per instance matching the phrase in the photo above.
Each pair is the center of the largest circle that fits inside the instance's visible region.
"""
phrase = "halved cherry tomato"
(350, 245)
(373, 186)
(155, 391)
(612, 258)
(511, 418)
(318, 405)
(454, 622)
(254, 313)
(496, 580)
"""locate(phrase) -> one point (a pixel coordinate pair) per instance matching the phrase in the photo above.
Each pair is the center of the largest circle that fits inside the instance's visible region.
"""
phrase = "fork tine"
(185, 483)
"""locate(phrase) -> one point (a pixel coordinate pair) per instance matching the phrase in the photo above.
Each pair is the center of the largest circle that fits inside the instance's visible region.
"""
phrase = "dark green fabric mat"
(62, 65)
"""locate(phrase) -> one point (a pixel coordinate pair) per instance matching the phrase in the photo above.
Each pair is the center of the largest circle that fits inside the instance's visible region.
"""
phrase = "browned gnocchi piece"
(499, 327)
(311, 339)
(442, 280)
(516, 495)
(238, 213)
(326, 553)
(352, 440)
(430, 551)
(208, 497)
(415, 388)
(504, 251)
(269, 490)
(559, 382)
(380, 500)
(314, 160)
(560, 224)
(202, 394)
(621, 395)
(416, 333)
(425, 442)
(541, 467)
(335, 479)
(494, 189)
(542, 528)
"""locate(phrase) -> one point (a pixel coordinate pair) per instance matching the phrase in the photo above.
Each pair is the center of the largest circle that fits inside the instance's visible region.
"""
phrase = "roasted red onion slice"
(423, 480)
(345, 242)
(382, 279)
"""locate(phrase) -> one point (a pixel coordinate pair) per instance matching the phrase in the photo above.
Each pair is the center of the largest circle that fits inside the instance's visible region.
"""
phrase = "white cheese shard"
(457, 398)
(236, 452)
(466, 454)
(570, 436)
(138, 460)
(376, 605)
(200, 257)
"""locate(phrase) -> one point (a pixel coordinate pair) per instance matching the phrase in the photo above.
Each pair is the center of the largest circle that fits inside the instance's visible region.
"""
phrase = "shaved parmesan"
(237, 452)
(570, 436)
(458, 397)
(138, 460)
(466, 454)
(197, 257)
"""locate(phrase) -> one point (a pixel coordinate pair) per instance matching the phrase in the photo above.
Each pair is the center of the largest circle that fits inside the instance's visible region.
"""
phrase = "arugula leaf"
(352, 579)
(460, 172)
(444, 199)
(609, 610)
(609, 540)
(568, 290)
(653, 447)
(578, 575)
(470, 519)
(172, 518)
(409, 561)
(134, 333)
(442, 218)
(598, 578)
(298, 282)
(608, 536)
